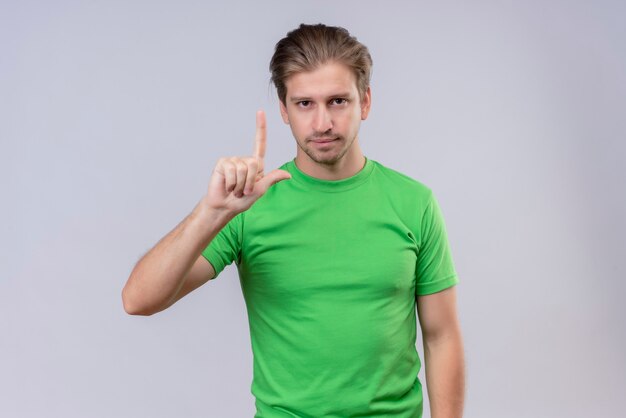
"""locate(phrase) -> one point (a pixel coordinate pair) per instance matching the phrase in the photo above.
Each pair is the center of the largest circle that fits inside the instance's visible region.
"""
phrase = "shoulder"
(401, 184)
(408, 197)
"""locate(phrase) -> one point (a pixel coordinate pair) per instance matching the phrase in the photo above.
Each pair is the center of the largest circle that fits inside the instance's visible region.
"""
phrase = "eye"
(304, 103)
(338, 101)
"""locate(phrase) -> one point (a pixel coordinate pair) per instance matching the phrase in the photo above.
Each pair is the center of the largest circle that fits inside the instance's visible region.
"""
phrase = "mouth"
(323, 140)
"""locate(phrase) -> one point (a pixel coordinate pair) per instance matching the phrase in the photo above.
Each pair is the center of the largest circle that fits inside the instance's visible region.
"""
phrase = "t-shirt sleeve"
(435, 268)
(226, 246)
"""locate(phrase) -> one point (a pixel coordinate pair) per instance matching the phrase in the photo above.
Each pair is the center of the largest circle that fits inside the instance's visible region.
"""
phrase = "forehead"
(327, 80)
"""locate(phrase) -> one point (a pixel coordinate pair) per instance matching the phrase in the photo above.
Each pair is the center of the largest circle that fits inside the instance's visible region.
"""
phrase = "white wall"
(113, 114)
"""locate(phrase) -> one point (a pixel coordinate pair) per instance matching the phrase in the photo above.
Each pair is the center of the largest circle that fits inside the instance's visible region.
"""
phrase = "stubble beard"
(326, 157)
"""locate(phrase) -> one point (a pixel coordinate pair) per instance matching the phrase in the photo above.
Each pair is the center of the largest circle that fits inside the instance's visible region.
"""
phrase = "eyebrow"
(334, 96)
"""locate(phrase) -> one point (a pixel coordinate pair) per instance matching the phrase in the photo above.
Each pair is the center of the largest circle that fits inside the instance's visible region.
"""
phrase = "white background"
(113, 115)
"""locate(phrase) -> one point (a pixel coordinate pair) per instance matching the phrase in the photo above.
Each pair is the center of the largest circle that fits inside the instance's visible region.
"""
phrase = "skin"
(325, 103)
(174, 267)
(443, 353)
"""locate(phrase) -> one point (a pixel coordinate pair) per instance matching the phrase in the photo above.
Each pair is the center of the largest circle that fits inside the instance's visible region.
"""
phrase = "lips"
(323, 140)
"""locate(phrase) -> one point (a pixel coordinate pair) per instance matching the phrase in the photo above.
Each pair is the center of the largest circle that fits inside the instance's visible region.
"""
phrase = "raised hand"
(237, 182)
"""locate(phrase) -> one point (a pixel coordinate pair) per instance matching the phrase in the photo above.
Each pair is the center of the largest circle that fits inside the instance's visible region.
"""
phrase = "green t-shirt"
(330, 271)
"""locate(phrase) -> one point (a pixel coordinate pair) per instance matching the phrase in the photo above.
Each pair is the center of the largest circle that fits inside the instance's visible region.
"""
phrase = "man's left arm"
(443, 352)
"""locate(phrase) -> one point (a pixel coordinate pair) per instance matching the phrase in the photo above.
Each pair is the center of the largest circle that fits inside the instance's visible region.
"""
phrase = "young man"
(334, 253)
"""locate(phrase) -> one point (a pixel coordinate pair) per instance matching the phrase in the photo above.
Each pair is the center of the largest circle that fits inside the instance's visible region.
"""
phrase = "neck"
(350, 164)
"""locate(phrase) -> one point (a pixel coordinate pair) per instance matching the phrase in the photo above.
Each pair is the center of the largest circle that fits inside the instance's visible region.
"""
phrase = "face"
(324, 111)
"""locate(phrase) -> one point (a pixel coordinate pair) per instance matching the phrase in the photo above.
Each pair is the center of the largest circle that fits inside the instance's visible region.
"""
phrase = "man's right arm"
(175, 266)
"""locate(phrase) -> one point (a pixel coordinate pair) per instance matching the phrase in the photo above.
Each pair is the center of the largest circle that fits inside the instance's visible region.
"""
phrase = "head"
(322, 77)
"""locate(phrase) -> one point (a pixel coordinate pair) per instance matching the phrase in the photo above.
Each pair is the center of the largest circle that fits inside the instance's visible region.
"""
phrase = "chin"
(327, 159)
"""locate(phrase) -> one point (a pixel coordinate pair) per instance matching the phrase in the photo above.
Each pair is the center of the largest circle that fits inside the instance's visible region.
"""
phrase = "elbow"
(449, 337)
(131, 306)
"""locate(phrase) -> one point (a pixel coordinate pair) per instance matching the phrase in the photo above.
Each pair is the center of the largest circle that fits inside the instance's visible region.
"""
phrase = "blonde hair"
(310, 46)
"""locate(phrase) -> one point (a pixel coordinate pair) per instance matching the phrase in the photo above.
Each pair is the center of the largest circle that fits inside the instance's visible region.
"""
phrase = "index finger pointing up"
(259, 142)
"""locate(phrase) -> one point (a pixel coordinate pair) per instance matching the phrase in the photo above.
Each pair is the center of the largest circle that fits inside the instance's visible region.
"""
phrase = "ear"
(366, 103)
(283, 112)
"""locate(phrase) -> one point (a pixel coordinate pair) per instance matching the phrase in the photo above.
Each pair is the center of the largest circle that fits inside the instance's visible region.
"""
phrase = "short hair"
(310, 46)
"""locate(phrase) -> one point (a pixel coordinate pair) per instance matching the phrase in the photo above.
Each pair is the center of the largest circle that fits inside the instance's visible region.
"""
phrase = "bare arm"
(175, 266)
(443, 352)
(159, 276)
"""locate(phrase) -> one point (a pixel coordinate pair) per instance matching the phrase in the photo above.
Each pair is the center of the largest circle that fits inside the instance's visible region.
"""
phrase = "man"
(334, 252)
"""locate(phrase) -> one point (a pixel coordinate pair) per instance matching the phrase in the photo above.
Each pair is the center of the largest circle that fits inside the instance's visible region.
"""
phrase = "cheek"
(299, 129)
(353, 120)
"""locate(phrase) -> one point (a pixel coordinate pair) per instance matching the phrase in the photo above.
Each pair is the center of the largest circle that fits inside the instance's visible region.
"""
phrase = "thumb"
(272, 178)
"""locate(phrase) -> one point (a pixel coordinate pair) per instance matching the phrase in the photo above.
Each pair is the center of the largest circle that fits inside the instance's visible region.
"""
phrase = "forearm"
(159, 274)
(445, 375)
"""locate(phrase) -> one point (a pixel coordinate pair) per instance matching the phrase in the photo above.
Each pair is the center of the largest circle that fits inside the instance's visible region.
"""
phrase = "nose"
(323, 121)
